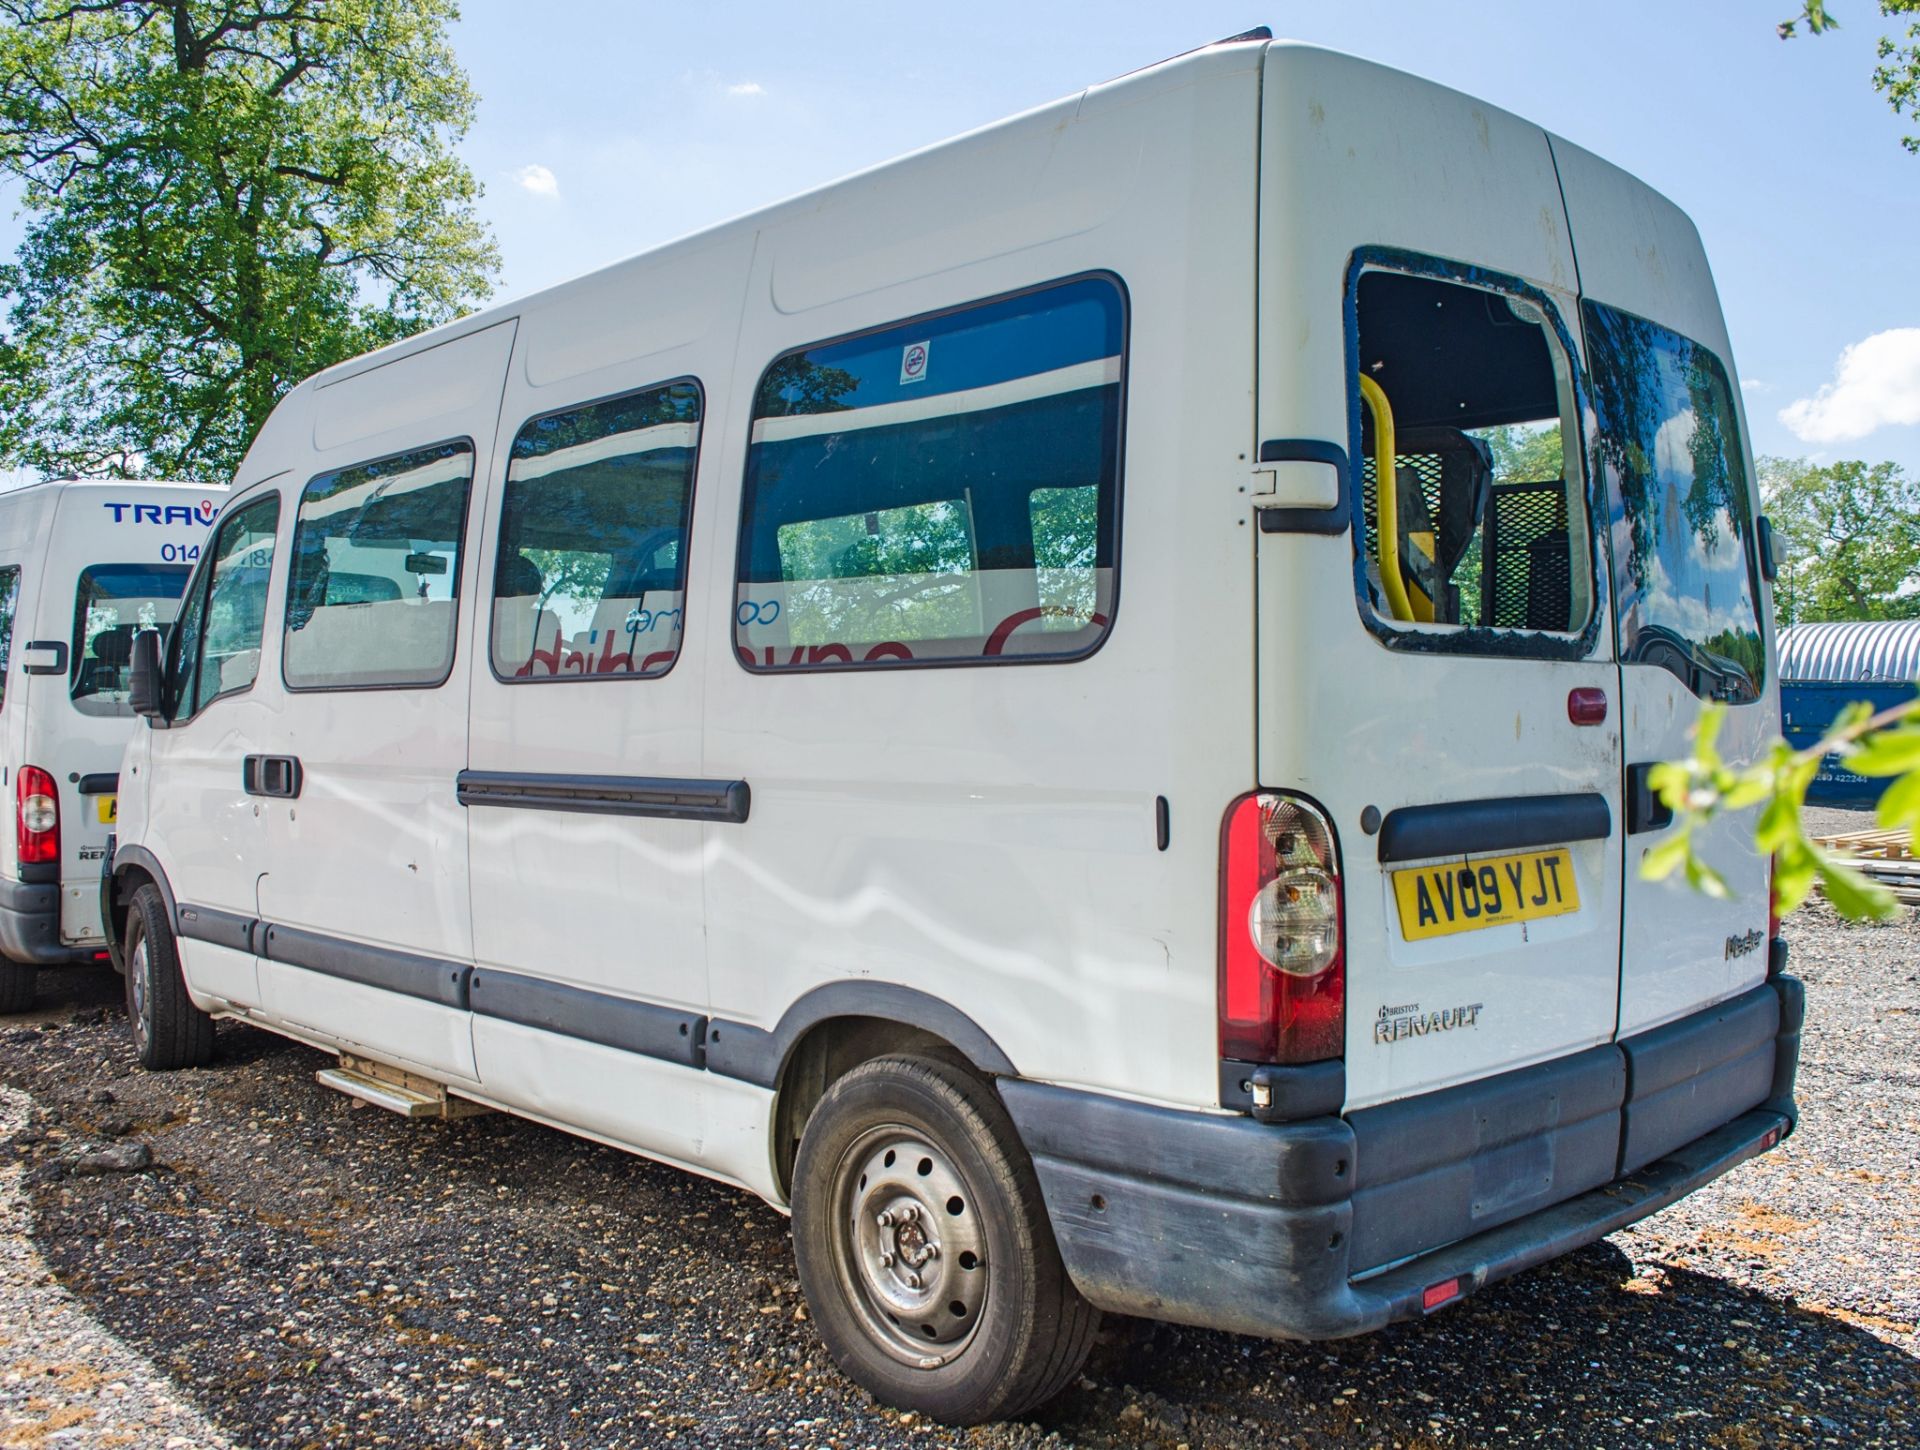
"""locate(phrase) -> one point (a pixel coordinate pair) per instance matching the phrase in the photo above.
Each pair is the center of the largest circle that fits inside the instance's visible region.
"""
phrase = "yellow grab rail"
(1387, 501)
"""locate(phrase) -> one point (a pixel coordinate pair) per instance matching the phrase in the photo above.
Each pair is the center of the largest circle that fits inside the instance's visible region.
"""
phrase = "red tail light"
(1283, 979)
(36, 815)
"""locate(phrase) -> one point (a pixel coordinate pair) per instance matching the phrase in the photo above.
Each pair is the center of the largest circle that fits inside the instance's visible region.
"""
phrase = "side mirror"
(143, 687)
(1769, 562)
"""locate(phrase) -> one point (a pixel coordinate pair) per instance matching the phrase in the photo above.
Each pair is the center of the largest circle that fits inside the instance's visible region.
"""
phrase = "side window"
(939, 491)
(215, 646)
(591, 575)
(1684, 566)
(373, 588)
(1468, 410)
(9, 602)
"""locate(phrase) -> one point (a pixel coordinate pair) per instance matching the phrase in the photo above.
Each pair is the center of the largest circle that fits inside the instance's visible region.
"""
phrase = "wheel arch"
(133, 867)
(833, 1029)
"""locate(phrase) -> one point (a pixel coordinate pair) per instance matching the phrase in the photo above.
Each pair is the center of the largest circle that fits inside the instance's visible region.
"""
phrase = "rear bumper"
(30, 926)
(1278, 1229)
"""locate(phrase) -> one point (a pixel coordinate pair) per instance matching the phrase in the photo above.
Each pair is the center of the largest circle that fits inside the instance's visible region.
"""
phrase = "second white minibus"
(1074, 710)
(83, 567)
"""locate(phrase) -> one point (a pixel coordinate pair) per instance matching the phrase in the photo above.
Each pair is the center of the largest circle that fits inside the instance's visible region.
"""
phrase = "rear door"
(1670, 443)
(119, 560)
(1439, 672)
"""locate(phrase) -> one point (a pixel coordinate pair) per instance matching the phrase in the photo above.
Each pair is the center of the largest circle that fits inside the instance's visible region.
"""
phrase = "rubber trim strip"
(614, 795)
(428, 978)
(668, 1033)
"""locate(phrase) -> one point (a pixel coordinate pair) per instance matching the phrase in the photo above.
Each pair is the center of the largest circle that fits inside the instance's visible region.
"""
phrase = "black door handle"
(278, 776)
(1645, 810)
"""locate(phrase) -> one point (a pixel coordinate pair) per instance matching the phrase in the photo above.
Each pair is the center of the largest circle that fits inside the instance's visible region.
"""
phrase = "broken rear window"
(1467, 400)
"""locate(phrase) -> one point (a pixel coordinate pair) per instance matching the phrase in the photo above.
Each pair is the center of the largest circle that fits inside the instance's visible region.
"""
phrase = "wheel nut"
(885, 1220)
(886, 1260)
(913, 1279)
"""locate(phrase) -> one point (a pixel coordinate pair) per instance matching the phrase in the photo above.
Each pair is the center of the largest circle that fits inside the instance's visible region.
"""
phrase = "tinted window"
(938, 491)
(1471, 388)
(1669, 445)
(9, 602)
(373, 588)
(112, 604)
(215, 646)
(591, 575)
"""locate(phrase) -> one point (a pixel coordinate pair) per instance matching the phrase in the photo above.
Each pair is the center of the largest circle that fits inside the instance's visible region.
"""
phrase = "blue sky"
(606, 128)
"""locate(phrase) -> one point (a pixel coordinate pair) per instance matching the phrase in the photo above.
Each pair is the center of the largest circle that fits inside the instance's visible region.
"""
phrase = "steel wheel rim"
(137, 988)
(909, 1246)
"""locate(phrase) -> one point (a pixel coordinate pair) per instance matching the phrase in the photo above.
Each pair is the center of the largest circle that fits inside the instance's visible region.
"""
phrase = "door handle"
(278, 776)
(1645, 810)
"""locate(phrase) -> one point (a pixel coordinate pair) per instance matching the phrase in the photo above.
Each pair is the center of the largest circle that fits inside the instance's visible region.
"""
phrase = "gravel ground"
(312, 1274)
(64, 1379)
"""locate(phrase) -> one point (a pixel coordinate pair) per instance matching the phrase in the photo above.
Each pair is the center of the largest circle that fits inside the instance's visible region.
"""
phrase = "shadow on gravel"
(317, 1275)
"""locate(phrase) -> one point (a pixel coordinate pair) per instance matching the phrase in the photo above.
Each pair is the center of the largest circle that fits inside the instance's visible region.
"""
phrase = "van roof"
(109, 485)
(1235, 54)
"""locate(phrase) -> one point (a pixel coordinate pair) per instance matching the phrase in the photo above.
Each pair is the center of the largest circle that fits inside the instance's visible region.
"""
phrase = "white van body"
(747, 839)
(82, 565)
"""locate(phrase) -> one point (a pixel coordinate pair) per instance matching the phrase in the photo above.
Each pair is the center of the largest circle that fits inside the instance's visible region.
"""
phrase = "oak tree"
(220, 197)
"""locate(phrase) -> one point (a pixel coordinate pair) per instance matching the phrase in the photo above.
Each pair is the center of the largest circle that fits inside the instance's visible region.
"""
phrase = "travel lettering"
(162, 514)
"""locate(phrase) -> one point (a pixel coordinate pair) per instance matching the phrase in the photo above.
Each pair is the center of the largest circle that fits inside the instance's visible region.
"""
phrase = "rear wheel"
(16, 986)
(924, 1248)
(168, 1030)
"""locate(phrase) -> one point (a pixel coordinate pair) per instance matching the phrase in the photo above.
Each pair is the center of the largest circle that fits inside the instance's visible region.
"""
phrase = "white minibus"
(83, 566)
(1073, 709)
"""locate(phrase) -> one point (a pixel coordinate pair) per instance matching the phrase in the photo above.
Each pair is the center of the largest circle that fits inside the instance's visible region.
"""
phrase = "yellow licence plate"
(107, 806)
(1468, 895)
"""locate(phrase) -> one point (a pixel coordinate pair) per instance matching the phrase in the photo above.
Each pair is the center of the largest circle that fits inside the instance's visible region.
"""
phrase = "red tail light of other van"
(1283, 979)
(37, 816)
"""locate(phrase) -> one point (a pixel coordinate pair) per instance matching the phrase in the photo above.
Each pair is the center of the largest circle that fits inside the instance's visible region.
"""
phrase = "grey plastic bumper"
(1219, 1221)
(30, 925)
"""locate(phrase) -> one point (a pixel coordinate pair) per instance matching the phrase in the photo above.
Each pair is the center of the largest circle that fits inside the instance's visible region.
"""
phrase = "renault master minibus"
(83, 567)
(1073, 709)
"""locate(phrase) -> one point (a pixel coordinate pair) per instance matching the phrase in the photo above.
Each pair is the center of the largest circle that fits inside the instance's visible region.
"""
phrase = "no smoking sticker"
(913, 362)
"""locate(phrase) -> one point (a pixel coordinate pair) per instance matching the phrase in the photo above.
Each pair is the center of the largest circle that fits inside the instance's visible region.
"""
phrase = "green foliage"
(222, 197)
(1703, 786)
(1897, 77)
(1848, 537)
(1525, 453)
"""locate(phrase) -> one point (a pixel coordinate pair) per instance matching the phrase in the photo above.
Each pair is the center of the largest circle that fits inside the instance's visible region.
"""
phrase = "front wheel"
(168, 1030)
(924, 1247)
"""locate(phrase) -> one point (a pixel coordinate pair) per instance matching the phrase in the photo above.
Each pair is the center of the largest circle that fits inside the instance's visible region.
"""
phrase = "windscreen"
(1669, 443)
(114, 602)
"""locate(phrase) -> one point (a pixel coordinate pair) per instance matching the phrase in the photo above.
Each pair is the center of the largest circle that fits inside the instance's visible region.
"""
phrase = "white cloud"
(1875, 383)
(1755, 385)
(538, 180)
(746, 88)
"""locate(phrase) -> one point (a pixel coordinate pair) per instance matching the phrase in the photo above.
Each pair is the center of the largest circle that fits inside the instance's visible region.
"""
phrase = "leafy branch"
(1703, 787)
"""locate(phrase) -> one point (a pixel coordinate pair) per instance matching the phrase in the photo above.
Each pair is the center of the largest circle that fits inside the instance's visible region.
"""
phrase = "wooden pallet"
(1885, 856)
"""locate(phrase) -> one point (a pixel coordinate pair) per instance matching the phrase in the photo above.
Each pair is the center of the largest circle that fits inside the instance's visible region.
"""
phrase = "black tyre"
(168, 1030)
(924, 1247)
(16, 986)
